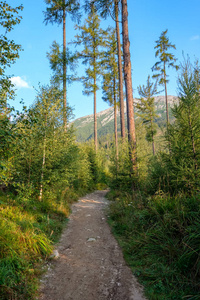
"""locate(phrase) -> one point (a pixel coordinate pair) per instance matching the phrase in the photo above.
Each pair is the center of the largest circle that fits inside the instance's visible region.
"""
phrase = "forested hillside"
(105, 120)
(145, 151)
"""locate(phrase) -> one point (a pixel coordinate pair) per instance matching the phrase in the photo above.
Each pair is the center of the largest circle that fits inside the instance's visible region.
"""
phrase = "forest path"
(90, 264)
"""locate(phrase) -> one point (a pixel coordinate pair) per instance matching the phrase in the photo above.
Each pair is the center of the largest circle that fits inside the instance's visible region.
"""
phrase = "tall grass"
(160, 236)
(28, 229)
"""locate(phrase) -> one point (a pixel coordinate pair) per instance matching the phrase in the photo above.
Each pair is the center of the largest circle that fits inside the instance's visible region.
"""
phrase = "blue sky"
(147, 19)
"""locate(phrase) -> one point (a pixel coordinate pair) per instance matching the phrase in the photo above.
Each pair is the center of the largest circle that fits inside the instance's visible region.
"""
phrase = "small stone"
(91, 240)
(55, 254)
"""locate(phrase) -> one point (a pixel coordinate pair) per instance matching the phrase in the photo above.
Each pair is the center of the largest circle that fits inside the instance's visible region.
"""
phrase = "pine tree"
(111, 8)
(184, 134)
(166, 59)
(121, 94)
(92, 38)
(128, 84)
(56, 13)
(111, 79)
(55, 57)
(146, 107)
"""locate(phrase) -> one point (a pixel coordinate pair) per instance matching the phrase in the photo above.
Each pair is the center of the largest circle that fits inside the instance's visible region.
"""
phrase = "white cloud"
(19, 82)
(195, 37)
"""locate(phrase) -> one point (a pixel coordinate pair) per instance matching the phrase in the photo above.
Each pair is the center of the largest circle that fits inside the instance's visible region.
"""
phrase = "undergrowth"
(160, 237)
(28, 229)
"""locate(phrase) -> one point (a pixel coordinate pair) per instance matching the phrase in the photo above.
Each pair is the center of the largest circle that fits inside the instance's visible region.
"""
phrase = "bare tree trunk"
(166, 100)
(153, 144)
(193, 143)
(152, 135)
(29, 170)
(95, 117)
(115, 121)
(167, 109)
(121, 96)
(128, 84)
(43, 164)
(64, 72)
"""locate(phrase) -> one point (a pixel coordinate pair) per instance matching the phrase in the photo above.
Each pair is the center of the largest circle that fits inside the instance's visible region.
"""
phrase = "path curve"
(90, 264)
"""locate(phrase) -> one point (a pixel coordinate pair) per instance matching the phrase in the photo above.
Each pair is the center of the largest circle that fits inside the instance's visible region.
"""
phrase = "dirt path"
(90, 264)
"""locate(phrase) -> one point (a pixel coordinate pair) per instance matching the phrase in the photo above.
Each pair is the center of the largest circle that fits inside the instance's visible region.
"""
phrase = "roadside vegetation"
(157, 224)
(152, 169)
(43, 170)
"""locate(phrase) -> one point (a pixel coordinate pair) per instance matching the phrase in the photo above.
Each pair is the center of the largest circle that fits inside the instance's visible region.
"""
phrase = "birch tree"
(47, 108)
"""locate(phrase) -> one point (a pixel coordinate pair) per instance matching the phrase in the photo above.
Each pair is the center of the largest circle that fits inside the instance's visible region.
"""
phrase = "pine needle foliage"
(92, 39)
(110, 86)
(146, 107)
(56, 12)
(55, 8)
(55, 57)
(179, 170)
(166, 59)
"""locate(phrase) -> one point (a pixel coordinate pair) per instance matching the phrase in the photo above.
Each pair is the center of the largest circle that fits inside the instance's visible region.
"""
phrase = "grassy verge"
(160, 238)
(28, 229)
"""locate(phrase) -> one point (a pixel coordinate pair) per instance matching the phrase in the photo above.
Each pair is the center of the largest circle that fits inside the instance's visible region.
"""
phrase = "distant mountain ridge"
(105, 119)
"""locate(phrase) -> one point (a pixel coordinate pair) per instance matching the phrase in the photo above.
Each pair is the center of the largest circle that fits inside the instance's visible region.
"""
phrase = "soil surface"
(90, 265)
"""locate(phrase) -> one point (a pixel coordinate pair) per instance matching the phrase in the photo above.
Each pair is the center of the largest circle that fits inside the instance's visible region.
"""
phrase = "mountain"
(105, 119)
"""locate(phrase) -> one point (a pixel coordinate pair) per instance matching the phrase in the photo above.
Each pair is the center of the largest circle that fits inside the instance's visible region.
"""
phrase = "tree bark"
(166, 99)
(167, 109)
(193, 143)
(115, 120)
(121, 96)
(128, 84)
(43, 162)
(95, 117)
(152, 135)
(29, 170)
(64, 72)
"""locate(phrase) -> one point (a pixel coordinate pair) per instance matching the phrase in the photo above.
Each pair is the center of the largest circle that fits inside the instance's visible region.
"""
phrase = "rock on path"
(90, 264)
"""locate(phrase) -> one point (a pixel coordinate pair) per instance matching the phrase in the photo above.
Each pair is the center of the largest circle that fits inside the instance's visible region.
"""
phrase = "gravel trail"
(90, 264)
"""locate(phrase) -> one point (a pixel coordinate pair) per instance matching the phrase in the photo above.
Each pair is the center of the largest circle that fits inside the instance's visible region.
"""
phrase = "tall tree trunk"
(193, 143)
(128, 84)
(152, 135)
(95, 116)
(121, 96)
(153, 143)
(29, 170)
(167, 109)
(166, 99)
(43, 163)
(64, 72)
(115, 120)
